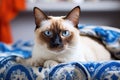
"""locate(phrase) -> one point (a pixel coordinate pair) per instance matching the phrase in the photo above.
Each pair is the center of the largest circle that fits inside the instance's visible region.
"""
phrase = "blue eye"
(47, 33)
(66, 33)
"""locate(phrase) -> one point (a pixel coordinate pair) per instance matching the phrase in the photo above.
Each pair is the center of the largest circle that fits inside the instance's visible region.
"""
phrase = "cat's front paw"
(50, 63)
(28, 62)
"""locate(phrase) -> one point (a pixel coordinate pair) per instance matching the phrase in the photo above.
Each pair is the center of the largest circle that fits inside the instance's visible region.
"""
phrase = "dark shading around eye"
(65, 33)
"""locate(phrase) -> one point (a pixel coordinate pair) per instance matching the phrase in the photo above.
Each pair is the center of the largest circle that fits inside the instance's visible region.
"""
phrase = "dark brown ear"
(74, 15)
(39, 16)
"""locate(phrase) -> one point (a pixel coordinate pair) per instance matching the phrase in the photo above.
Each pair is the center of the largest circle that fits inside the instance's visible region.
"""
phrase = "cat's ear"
(74, 15)
(39, 16)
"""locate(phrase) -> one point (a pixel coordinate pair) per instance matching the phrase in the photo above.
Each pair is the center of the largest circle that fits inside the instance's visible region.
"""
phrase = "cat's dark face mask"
(56, 36)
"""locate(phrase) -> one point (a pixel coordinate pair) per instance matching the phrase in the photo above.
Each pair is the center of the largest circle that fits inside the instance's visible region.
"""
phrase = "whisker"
(71, 47)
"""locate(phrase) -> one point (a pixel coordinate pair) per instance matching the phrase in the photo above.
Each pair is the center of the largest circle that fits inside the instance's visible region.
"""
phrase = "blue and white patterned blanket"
(110, 37)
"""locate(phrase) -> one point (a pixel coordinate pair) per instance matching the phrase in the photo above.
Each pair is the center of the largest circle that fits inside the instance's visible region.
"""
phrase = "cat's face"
(56, 33)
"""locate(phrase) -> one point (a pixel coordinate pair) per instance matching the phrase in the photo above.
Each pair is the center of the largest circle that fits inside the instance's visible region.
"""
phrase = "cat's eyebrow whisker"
(71, 47)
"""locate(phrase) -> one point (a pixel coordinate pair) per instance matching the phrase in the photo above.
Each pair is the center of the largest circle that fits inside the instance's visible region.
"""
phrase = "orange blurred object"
(8, 10)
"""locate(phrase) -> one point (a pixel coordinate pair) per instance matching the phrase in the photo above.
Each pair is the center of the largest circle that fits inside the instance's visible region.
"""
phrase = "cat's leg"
(50, 63)
(29, 62)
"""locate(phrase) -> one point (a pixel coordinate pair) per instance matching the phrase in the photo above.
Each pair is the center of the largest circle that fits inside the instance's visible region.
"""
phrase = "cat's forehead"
(56, 22)
(56, 17)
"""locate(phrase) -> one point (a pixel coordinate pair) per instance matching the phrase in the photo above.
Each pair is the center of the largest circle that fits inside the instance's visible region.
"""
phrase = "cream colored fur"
(83, 49)
(80, 48)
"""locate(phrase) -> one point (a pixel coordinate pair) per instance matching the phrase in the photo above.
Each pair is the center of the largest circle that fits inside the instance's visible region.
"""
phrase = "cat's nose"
(55, 45)
(57, 42)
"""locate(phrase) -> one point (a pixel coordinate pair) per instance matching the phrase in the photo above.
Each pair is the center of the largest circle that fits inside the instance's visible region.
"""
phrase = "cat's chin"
(58, 51)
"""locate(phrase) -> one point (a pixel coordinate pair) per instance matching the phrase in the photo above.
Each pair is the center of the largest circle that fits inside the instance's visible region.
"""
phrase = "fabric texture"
(8, 10)
(110, 37)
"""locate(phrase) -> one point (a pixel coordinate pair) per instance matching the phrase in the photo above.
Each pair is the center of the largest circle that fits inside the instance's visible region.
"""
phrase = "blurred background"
(17, 21)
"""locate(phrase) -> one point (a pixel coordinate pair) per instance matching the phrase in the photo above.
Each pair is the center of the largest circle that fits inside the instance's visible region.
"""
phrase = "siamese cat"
(58, 40)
